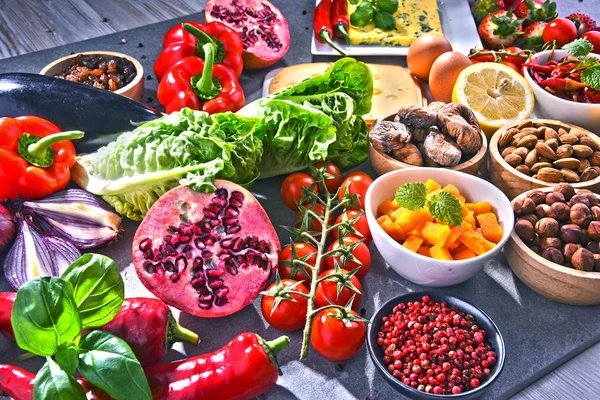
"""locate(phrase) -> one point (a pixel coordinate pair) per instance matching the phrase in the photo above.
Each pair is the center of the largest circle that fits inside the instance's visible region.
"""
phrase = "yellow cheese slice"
(413, 18)
(393, 86)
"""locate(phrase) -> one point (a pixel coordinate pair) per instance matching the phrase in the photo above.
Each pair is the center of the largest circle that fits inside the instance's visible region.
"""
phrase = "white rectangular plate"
(458, 26)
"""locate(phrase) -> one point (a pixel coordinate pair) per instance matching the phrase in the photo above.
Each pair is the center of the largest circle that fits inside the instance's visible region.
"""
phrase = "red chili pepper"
(592, 95)
(200, 85)
(560, 72)
(187, 39)
(146, 324)
(35, 157)
(339, 19)
(244, 368)
(546, 69)
(562, 84)
(322, 25)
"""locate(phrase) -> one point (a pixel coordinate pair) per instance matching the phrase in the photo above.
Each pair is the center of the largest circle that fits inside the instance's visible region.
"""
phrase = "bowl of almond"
(541, 153)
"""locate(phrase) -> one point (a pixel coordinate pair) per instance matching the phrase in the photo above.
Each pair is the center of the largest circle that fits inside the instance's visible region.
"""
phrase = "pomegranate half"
(262, 27)
(208, 255)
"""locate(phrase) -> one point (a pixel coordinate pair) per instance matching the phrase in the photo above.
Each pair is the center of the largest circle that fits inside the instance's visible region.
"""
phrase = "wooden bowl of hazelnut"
(541, 153)
(439, 135)
(554, 248)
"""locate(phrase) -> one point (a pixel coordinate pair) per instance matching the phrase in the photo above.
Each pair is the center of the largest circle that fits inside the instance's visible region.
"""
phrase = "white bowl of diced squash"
(428, 251)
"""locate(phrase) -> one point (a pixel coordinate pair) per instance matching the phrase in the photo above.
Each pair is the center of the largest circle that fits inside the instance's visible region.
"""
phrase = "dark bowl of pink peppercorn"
(435, 346)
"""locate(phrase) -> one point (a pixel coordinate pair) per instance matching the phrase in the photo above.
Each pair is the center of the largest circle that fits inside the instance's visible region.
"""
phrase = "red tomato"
(594, 38)
(511, 65)
(517, 61)
(291, 188)
(357, 173)
(289, 272)
(336, 339)
(560, 29)
(361, 253)
(333, 183)
(361, 225)
(480, 59)
(288, 315)
(356, 183)
(315, 224)
(328, 290)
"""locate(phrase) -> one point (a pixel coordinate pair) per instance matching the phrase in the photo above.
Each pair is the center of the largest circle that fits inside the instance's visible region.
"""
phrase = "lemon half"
(497, 94)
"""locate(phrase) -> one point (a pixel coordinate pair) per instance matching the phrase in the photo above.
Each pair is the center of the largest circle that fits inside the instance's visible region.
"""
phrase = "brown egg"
(423, 52)
(443, 75)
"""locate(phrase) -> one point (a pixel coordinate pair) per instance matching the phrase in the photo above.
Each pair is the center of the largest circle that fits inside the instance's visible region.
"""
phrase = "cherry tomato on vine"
(594, 38)
(291, 188)
(328, 290)
(361, 253)
(288, 315)
(483, 58)
(315, 224)
(511, 65)
(302, 250)
(361, 225)
(333, 183)
(517, 61)
(335, 339)
(560, 29)
(356, 183)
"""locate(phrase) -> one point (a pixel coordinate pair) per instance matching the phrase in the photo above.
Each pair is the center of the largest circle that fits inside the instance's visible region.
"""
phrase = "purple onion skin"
(8, 229)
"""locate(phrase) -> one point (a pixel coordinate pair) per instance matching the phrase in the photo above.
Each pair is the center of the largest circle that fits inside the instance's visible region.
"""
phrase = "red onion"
(8, 229)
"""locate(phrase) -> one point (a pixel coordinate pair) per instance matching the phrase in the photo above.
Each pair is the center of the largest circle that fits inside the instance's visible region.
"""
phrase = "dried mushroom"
(409, 154)
(387, 136)
(440, 150)
(417, 117)
(459, 122)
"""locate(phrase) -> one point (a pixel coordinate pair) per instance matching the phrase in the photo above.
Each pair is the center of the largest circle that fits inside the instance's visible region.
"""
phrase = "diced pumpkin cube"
(413, 243)
(470, 219)
(483, 207)
(459, 248)
(440, 253)
(411, 219)
(490, 228)
(471, 206)
(394, 230)
(424, 251)
(455, 233)
(435, 234)
(476, 242)
(454, 246)
(432, 185)
(450, 188)
(417, 230)
(397, 213)
(464, 254)
(387, 208)
(461, 198)
(383, 218)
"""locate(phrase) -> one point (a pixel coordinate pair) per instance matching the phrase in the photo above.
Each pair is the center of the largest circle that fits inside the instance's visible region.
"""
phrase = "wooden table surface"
(31, 25)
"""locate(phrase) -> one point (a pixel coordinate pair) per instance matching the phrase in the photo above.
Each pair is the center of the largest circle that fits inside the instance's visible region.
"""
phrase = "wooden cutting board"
(393, 86)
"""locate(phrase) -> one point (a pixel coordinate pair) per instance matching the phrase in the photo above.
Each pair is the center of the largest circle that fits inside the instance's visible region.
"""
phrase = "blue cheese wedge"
(413, 18)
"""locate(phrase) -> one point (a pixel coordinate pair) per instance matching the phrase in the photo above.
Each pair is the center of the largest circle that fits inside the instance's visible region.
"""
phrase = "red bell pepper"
(187, 39)
(200, 85)
(35, 157)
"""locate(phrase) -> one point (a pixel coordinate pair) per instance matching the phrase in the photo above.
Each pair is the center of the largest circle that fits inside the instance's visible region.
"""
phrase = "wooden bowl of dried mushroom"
(540, 153)
(561, 279)
(439, 135)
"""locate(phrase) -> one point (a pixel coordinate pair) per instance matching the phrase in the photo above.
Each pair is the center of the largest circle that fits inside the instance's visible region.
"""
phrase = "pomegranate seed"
(146, 245)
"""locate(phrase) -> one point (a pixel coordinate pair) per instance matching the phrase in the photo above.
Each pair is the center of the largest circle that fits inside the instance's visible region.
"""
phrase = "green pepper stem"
(198, 34)
(36, 149)
(341, 29)
(276, 345)
(181, 334)
(205, 85)
(324, 36)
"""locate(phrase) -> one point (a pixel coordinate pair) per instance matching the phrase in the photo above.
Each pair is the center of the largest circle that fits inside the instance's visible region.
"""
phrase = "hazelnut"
(579, 199)
(597, 260)
(590, 196)
(542, 210)
(595, 210)
(559, 211)
(547, 227)
(583, 260)
(594, 247)
(585, 239)
(553, 255)
(554, 197)
(593, 230)
(546, 242)
(530, 217)
(581, 215)
(523, 205)
(537, 196)
(524, 230)
(571, 233)
(565, 189)
(569, 249)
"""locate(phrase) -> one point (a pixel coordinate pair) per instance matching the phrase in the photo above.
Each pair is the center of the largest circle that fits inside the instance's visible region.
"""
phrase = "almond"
(521, 152)
(584, 164)
(561, 132)
(513, 160)
(524, 169)
(537, 166)
(568, 139)
(589, 141)
(506, 137)
(578, 133)
(549, 175)
(545, 151)
(553, 143)
(582, 151)
(565, 151)
(550, 133)
(595, 158)
(526, 123)
(571, 163)
(589, 174)
(531, 158)
(508, 150)
(569, 175)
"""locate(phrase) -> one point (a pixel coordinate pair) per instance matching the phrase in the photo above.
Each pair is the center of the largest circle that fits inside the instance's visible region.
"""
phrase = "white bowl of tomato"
(563, 97)
(437, 250)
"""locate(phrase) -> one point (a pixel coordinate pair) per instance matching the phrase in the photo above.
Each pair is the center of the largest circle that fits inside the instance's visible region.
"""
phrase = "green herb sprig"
(379, 11)
(589, 67)
(48, 319)
(444, 207)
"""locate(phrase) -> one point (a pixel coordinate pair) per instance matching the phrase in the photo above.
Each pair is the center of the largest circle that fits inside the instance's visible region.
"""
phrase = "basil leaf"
(108, 362)
(384, 20)
(390, 6)
(67, 356)
(362, 15)
(98, 289)
(51, 382)
(354, 2)
(45, 315)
